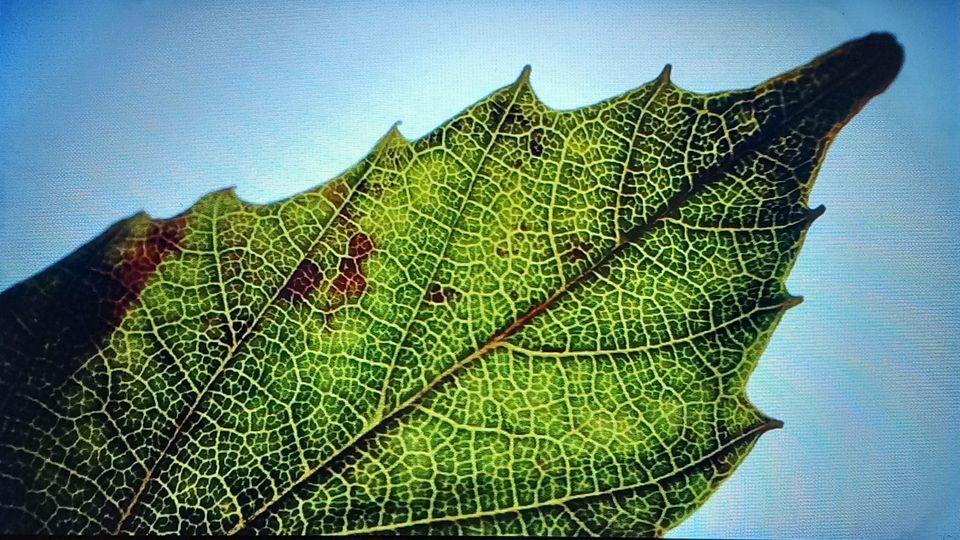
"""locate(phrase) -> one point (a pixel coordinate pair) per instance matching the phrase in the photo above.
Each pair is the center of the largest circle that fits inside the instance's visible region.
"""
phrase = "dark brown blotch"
(351, 281)
(336, 192)
(361, 246)
(437, 294)
(139, 263)
(303, 282)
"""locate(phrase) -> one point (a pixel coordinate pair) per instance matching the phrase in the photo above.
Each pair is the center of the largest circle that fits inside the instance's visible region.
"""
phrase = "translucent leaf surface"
(529, 321)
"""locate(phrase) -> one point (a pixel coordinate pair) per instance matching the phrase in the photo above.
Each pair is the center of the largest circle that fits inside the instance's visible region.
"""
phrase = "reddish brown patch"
(141, 261)
(336, 192)
(360, 247)
(351, 282)
(438, 295)
(305, 279)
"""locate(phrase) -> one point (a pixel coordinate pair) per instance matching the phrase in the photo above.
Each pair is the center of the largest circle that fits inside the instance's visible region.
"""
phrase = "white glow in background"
(109, 108)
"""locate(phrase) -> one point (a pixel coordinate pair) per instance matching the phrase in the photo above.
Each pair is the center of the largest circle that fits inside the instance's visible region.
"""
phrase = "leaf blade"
(609, 197)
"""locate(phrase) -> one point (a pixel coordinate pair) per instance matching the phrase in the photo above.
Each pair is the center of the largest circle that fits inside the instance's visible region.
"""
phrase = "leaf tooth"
(815, 213)
(392, 138)
(792, 301)
(769, 425)
(664, 78)
(141, 215)
(524, 78)
(230, 194)
(229, 191)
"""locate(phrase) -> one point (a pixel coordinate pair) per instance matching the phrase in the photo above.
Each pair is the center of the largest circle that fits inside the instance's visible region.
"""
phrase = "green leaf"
(529, 321)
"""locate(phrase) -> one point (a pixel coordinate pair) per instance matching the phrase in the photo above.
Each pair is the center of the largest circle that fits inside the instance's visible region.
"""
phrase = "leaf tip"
(885, 51)
(859, 69)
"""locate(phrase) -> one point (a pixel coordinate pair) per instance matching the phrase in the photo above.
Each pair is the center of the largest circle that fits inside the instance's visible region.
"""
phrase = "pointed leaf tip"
(885, 54)
(866, 66)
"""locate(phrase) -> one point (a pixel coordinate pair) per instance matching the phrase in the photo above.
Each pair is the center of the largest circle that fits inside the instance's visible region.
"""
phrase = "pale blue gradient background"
(109, 108)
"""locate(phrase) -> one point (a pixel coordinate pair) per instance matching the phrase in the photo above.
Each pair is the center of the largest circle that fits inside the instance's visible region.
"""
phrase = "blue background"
(109, 108)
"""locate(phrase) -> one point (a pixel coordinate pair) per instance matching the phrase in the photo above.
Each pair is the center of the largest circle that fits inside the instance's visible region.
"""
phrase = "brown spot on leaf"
(304, 280)
(351, 282)
(140, 262)
(436, 294)
(336, 192)
(360, 247)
